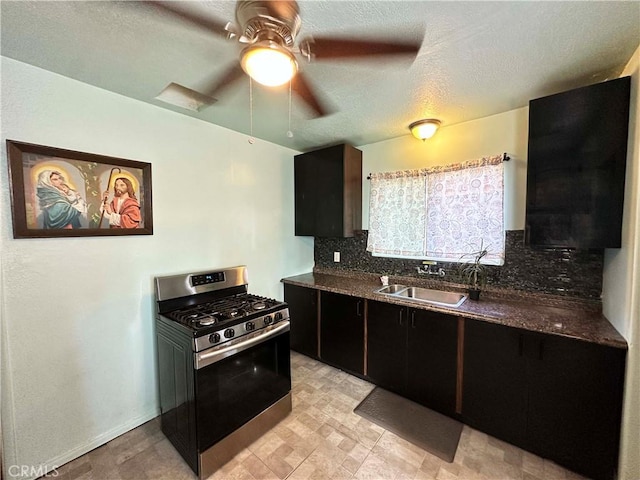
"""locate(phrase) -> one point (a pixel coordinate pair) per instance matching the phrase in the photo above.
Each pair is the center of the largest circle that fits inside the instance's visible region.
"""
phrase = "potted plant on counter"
(473, 273)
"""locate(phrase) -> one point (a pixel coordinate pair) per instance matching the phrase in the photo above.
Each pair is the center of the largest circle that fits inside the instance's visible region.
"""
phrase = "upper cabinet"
(328, 192)
(576, 166)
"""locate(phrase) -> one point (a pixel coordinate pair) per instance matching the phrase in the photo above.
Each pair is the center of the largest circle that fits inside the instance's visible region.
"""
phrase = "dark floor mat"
(419, 425)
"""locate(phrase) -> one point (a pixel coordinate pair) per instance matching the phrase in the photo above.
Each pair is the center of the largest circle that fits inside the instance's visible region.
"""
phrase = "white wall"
(494, 135)
(621, 285)
(78, 365)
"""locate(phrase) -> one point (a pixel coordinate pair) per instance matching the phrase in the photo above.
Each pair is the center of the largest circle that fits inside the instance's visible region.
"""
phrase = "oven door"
(237, 382)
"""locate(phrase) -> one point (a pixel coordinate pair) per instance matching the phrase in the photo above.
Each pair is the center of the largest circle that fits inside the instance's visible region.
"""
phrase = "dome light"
(269, 64)
(423, 129)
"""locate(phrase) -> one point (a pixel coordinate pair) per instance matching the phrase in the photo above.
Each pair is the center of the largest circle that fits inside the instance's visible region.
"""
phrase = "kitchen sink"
(438, 297)
(425, 295)
(390, 289)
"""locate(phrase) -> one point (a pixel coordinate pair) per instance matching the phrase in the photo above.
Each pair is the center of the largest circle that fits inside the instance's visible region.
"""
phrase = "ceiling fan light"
(423, 129)
(269, 65)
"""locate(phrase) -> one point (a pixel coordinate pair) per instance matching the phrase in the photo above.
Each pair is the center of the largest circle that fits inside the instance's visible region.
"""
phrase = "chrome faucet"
(427, 269)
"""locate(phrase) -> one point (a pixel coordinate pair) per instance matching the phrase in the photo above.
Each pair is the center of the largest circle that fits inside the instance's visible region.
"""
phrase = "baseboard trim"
(96, 442)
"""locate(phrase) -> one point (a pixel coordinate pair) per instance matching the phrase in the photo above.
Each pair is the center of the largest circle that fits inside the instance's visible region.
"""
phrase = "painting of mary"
(59, 208)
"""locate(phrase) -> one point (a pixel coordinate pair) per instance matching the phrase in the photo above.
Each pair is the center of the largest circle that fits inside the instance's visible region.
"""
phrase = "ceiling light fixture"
(269, 63)
(423, 129)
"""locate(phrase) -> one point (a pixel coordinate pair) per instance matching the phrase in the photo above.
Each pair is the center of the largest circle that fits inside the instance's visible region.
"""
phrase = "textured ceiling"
(477, 59)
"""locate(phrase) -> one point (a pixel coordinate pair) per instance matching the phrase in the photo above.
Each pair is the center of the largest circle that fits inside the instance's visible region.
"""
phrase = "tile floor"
(321, 439)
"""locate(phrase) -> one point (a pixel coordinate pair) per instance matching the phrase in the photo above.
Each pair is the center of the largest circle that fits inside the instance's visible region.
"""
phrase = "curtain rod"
(505, 158)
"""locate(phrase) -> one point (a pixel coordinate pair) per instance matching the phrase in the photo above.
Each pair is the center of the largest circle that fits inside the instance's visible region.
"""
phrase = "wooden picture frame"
(60, 193)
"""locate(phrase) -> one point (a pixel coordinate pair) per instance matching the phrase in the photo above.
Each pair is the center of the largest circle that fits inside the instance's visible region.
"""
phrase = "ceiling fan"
(268, 31)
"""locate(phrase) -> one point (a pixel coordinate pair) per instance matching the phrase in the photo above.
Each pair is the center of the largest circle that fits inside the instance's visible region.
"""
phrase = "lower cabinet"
(387, 345)
(303, 316)
(575, 404)
(342, 331)
(557, 397)
(413, 352)
(494, 384)
(432, 359)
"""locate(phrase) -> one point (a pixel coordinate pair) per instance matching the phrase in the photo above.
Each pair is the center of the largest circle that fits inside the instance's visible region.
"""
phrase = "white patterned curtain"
(442, 213)
(397, 215)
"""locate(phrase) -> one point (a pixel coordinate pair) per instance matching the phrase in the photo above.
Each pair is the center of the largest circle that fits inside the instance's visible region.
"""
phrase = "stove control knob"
(229, 333)
(214, 337)
(268, 320)
(250, 326)
(277, 316)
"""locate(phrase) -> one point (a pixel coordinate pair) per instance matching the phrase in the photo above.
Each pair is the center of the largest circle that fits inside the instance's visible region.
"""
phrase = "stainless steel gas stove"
(223, 364)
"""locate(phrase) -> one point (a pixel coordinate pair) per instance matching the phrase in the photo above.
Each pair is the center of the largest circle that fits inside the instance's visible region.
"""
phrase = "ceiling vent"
(184, 97)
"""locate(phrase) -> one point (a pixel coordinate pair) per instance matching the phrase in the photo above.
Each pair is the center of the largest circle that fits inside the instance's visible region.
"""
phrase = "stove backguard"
(174, 287)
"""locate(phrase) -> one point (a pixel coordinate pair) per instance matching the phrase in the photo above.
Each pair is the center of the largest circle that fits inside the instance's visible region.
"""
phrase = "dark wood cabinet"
(432, 359)
(328, 192)
(303, 313)
(494, 385)
(557, 397)
(575, 404)
(554, 396)
(576, 166)
(413, 352)
(387, 345)
(342, 331)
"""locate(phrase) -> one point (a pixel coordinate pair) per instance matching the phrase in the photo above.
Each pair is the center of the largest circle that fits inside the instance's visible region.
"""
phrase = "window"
(440, 213)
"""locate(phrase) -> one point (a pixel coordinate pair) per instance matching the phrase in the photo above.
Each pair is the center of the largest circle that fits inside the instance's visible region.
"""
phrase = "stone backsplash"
(570, 273)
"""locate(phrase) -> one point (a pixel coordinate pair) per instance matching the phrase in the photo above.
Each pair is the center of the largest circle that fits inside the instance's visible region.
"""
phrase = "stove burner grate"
(222, 309)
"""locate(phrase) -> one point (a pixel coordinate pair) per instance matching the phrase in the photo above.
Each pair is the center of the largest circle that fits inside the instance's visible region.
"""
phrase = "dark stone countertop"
(534, 312)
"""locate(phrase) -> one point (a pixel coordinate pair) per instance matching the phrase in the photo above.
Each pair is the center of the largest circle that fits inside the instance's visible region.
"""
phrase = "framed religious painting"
(64, 193)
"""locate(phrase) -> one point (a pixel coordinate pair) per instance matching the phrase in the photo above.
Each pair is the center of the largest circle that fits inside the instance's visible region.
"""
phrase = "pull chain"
(251, 139)
(289, 132)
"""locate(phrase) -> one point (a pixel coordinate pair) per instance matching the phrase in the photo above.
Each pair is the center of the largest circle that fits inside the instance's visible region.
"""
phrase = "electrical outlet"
(336, 256)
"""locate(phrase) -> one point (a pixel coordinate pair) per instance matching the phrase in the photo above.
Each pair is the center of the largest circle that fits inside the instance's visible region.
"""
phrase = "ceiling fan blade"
(300, 85)
(224, 29)
(231, 75)
(328, 48)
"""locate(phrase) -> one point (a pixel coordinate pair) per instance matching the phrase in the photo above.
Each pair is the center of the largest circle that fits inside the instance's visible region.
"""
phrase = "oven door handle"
(209, 357)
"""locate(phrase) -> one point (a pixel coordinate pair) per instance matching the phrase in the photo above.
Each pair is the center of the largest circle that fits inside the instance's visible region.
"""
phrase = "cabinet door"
(306, 194)
(328, 192)
(303, 313)
(329, 182)
(432, 362)
(319, 193)
(387, 345)
(576, 166)
(342, 331)
(494, 384)
(575, 398)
